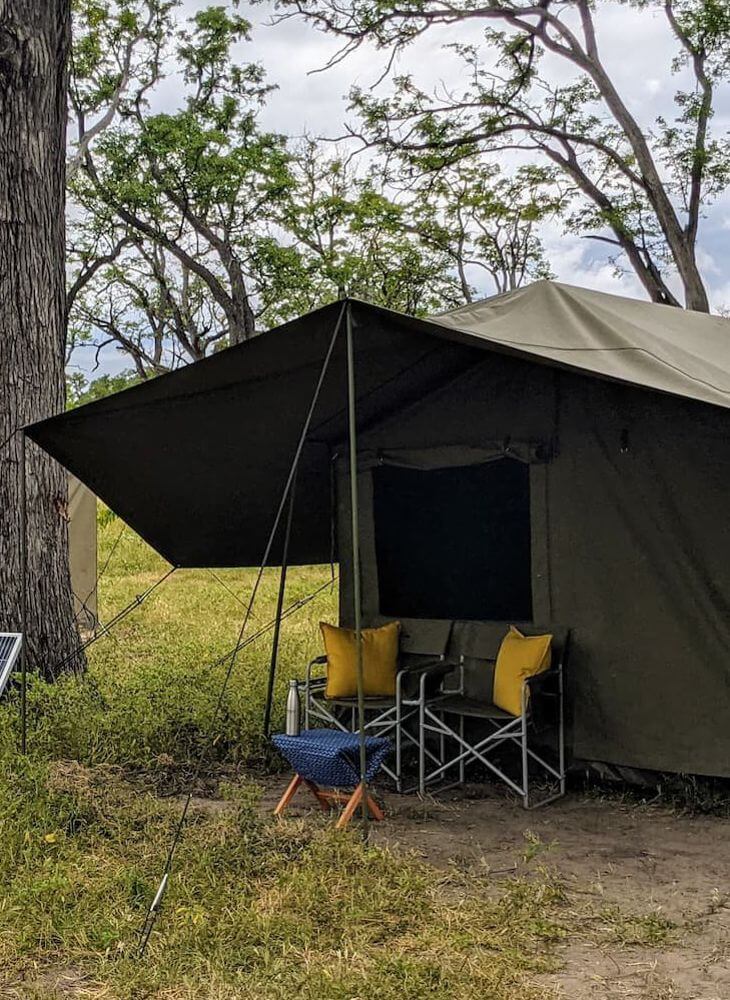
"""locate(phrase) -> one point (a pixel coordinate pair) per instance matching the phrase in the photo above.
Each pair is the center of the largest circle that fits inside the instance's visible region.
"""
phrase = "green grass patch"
(150, 691)
(649, 930)
(257, 908)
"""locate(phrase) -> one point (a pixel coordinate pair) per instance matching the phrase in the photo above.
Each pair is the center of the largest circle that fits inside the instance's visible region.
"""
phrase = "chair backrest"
(425, 636)
(422, 637)
(478, 643)
(10, 643)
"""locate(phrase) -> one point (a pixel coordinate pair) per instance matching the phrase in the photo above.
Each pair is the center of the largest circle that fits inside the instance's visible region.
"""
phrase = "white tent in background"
(82, 552)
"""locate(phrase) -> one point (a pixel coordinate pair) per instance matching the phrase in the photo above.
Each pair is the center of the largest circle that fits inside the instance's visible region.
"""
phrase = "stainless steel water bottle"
(292, 710)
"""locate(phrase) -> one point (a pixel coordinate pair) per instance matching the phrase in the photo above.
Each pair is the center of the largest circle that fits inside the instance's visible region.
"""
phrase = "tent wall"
(82, 538)
(631, 545)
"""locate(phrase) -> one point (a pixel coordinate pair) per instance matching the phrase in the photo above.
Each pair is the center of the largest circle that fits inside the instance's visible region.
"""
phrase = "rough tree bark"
(34, 43)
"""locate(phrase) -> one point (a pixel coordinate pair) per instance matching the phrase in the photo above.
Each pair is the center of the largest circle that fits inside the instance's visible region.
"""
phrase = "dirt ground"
(642, 858)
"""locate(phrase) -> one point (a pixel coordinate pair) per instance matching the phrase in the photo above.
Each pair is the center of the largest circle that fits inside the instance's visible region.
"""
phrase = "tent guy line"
(135, 603)
(152, 913)
(104, 568)
(10, 437)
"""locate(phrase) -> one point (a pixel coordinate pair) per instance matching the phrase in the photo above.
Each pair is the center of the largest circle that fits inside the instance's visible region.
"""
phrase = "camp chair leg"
(422, 737)
(561, 730)
(525, 767)
(523, 742)
(398, 736)
(288, 794)
(462, 761)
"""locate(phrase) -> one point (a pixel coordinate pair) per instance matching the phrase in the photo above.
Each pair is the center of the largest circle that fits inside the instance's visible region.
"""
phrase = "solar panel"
(10, 643)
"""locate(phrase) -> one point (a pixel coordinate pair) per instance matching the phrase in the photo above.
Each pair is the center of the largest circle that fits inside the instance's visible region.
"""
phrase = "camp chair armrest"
(318, 661)
(314, 682)
(435, 663)
(413, 670)
(546, 683)
(441, 666)
(542, 697)
(420, 672)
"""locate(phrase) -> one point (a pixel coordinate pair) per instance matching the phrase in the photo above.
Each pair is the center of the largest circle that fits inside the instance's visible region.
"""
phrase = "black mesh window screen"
(454, 543)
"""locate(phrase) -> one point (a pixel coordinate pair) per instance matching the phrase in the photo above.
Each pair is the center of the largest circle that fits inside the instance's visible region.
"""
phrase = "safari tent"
(552, 454)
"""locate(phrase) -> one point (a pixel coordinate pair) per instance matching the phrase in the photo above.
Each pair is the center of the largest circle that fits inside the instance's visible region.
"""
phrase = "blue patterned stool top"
(331, 757)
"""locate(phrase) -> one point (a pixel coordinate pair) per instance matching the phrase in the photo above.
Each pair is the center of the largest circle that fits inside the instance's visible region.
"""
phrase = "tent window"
(454, 543)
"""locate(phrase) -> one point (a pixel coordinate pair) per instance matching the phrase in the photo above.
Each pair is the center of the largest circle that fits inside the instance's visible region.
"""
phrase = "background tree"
(193, 228)
(485, 223)
(355, 236)
(182, 193)
(34, 44)
(118, 50)
(336, 229)
(639, 186)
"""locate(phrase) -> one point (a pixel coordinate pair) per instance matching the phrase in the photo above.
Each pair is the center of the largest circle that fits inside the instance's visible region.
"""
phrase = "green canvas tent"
(552, 454)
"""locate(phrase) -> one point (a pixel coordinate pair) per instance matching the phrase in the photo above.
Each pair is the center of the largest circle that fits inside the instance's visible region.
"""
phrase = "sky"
(636, 46)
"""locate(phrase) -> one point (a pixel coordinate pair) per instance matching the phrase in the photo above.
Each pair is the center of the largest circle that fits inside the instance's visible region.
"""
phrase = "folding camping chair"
(491, 728)
(423, 664)
(10, 646)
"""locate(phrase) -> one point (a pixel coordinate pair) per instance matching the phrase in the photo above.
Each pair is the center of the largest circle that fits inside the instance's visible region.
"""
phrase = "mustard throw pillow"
(520, 656)
(379, 660)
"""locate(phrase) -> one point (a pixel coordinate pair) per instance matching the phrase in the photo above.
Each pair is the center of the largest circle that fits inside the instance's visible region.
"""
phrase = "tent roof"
(195, 461)
(658, 347)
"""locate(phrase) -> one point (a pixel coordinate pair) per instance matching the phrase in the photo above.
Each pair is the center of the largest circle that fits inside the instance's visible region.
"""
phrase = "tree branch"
(85, 275)
(698, 58)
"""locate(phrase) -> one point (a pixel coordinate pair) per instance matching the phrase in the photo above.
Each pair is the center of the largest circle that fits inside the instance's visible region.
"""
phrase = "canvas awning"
(195, 461)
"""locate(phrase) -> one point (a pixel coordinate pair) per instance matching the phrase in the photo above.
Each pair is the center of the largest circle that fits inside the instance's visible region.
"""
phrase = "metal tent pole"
(154, 909)
(23, 597)
(279, 608)
(355, 539)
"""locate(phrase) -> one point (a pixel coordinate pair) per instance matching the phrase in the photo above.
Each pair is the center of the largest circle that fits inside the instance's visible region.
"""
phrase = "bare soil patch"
(650, 888)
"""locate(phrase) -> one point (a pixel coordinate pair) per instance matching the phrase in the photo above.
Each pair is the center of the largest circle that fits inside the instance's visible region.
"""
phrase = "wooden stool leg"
(349, 811)
(319, 795)
(328, 799)
(375, 811)
(288, 795)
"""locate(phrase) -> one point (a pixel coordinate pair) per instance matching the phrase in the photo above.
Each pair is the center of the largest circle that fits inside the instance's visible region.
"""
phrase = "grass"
(644, 929)
(257, 909)
(150, 692)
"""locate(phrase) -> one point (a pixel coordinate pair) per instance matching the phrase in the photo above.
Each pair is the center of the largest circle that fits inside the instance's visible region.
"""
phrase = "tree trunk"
(34, 43)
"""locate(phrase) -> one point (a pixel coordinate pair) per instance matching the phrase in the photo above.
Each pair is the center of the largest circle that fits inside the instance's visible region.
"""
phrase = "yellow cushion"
(379, 660)
(520, 656)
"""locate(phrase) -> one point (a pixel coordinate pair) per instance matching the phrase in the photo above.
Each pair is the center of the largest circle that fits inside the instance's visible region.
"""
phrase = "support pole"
(355, 540)
(154, 909)
(279, 609)
(23, 597)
